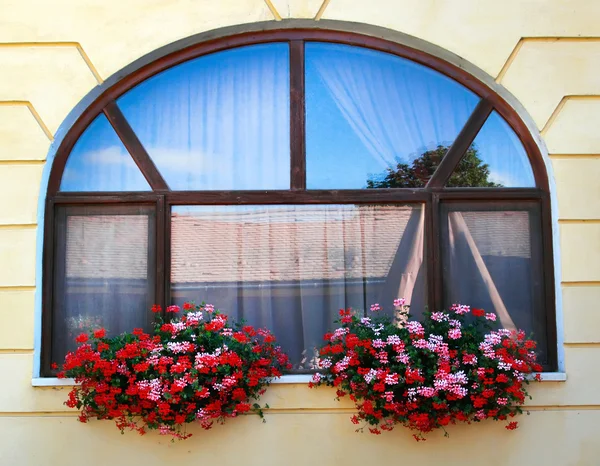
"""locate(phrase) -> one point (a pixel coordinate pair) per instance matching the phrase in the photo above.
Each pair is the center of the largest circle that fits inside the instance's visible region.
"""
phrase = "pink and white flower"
(426, 392)
(370, 376)
(394, 340)
(460, 309)
(439, 316)
(378, 343)
(414, 327)
(454, 333)
(342, 365)
(421, 343)
(382, 356)
(391, 379)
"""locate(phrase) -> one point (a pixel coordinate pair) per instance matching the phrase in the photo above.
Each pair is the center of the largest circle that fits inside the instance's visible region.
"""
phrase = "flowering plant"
(426, 375)
(198, 367)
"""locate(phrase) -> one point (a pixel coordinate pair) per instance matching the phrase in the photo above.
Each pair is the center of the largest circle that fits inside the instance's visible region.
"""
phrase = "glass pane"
(100, 162)
(291, 268)
(221, 121)
(490, 262)
(103, 272)
(377, 120)
(496, 158)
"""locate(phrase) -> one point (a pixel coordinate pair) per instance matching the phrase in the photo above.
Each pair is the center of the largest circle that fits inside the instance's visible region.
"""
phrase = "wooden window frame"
(429, 196)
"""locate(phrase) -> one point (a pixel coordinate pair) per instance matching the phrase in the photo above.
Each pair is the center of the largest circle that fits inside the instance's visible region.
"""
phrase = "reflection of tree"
(471, 172)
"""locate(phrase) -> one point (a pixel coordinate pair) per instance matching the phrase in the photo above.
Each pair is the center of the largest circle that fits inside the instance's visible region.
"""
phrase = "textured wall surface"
(545, 52)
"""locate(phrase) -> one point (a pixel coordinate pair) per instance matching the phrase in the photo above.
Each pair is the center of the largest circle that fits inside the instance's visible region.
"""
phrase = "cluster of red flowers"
(427, 375)
(197, 367)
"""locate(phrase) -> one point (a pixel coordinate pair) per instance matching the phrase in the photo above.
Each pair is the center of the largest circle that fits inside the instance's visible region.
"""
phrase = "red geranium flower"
(400, 371)
(192, 368)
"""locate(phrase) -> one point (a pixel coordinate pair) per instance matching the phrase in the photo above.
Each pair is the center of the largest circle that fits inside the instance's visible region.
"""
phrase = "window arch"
(285, 174)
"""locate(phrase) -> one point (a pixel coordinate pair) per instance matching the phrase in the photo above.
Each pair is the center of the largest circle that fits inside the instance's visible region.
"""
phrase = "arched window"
(282, 176)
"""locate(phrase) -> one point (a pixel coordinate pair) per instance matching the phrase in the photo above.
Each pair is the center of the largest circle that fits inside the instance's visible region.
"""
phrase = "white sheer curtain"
(104, 274)
(220, 121)
(291, 268)
(466, 256)
(397, 108)
(491, 263)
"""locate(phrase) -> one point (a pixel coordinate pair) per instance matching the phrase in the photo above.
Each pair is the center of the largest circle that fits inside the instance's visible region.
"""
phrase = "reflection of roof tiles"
(501, 233)
(285, 244)
(107, 246)
(273, 244)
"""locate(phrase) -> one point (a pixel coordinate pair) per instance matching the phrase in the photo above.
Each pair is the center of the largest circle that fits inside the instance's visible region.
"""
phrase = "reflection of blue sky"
(100, 162)
(368, 110)
(222, 122)
(500, 148)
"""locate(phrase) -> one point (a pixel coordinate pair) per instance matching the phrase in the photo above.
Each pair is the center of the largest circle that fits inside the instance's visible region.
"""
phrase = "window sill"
(51, 382)
(552, 376)
(286, 379)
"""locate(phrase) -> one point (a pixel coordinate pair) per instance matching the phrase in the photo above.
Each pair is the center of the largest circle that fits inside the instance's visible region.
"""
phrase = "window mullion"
(432, 254)
(297, 117)
(160, 251)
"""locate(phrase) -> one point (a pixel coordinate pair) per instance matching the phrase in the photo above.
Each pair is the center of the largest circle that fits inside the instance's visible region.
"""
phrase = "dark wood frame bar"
(458, 149)
(134, 147)
(431, 196)
(297, 117)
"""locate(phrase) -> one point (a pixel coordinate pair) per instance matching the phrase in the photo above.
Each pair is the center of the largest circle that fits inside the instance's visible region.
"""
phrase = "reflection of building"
(291, 268)
(283, 244)
(275, 265)
(272, 266)
(269, 244)
(107, 246)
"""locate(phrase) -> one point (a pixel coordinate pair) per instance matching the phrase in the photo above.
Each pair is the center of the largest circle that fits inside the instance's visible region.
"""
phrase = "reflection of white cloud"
(512, 179)
(173, 160)
(173, 164)
(180, 162)
(112, 155)
(107, 169)
(243, 168)
(188, 169)
(70, 178)
(503, 178)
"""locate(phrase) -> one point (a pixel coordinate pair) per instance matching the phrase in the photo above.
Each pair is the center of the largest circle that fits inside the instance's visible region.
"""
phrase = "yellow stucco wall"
(545, 52)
